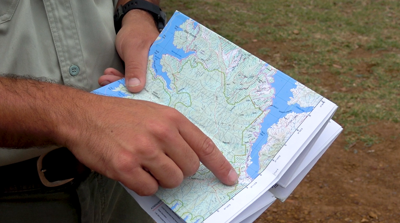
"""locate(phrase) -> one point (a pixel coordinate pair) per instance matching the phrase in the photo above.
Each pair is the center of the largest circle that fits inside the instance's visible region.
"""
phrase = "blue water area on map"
(165, 46)
(175, 205)
(108, 89)
(279, 108)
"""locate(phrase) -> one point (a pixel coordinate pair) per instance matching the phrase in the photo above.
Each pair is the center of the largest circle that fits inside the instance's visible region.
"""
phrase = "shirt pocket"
(7, 9)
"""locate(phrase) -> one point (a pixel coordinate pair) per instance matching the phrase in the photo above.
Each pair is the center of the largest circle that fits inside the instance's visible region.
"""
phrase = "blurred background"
(349, 52)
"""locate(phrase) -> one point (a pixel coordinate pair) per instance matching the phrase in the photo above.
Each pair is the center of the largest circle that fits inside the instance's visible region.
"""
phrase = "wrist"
(71, 122)
(135, 15)
(125, 7)
(123, 2)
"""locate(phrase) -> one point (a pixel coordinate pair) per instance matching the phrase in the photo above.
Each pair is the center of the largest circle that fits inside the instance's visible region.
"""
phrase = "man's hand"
(133, 42)
(141, 144)
(157, 145)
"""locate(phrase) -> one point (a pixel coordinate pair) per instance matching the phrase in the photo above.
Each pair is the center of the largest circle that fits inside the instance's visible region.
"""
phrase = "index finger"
(208, 153)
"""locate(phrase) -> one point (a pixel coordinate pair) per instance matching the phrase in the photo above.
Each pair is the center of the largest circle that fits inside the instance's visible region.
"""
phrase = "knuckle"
(208, 147)
(150, 153)
(160, 130)
(141, 140)
(173, 114)
(145, 147)
(133, 66)
(225, 167)
(124, 162)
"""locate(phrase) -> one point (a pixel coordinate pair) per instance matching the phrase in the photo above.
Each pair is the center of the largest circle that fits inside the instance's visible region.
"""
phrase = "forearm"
(34, 113)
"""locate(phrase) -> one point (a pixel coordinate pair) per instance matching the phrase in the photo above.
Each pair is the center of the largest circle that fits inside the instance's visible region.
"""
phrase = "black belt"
(56, 168)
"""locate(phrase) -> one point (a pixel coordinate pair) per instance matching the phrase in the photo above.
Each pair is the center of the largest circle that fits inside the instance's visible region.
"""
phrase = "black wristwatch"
(158, 15)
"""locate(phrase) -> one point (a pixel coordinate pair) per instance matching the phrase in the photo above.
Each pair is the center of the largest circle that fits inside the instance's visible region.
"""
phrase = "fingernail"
(105, 83)
(133, 82)
(233, 176)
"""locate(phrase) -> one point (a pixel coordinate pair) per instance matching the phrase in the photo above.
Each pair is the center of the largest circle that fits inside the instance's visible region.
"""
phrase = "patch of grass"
(349, 51)
(264, 50)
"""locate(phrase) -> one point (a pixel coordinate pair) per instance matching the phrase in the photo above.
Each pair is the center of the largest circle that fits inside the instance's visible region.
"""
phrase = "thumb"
(133, 42)
(136, 68)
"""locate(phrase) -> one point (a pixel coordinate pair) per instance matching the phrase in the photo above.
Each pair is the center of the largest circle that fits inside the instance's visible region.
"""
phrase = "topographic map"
(247, 107)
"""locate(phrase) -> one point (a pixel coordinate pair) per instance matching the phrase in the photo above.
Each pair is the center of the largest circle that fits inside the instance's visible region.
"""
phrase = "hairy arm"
(31, 111)
(126, 140)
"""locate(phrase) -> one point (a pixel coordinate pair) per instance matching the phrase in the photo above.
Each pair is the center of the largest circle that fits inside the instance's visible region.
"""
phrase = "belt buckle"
(43, 178)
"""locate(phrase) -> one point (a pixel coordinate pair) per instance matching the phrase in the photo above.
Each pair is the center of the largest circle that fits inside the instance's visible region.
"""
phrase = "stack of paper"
(270, 127)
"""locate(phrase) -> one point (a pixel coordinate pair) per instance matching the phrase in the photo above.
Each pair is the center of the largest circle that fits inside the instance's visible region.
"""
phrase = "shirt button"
(74, 70)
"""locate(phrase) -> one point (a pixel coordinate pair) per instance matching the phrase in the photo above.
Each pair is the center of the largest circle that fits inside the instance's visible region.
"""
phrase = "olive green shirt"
(69, 42)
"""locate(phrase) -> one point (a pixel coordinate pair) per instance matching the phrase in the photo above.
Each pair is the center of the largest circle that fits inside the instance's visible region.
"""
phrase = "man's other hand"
(133, 42)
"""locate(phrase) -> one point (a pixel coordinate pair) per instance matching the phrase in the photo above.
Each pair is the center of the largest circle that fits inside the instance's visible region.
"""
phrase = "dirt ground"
(356, 185)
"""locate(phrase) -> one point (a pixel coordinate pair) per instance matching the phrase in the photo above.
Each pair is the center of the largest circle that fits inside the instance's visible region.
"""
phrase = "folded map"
(261, 119)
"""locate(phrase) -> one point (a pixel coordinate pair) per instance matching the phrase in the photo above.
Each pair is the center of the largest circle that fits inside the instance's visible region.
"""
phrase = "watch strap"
(158, 15)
